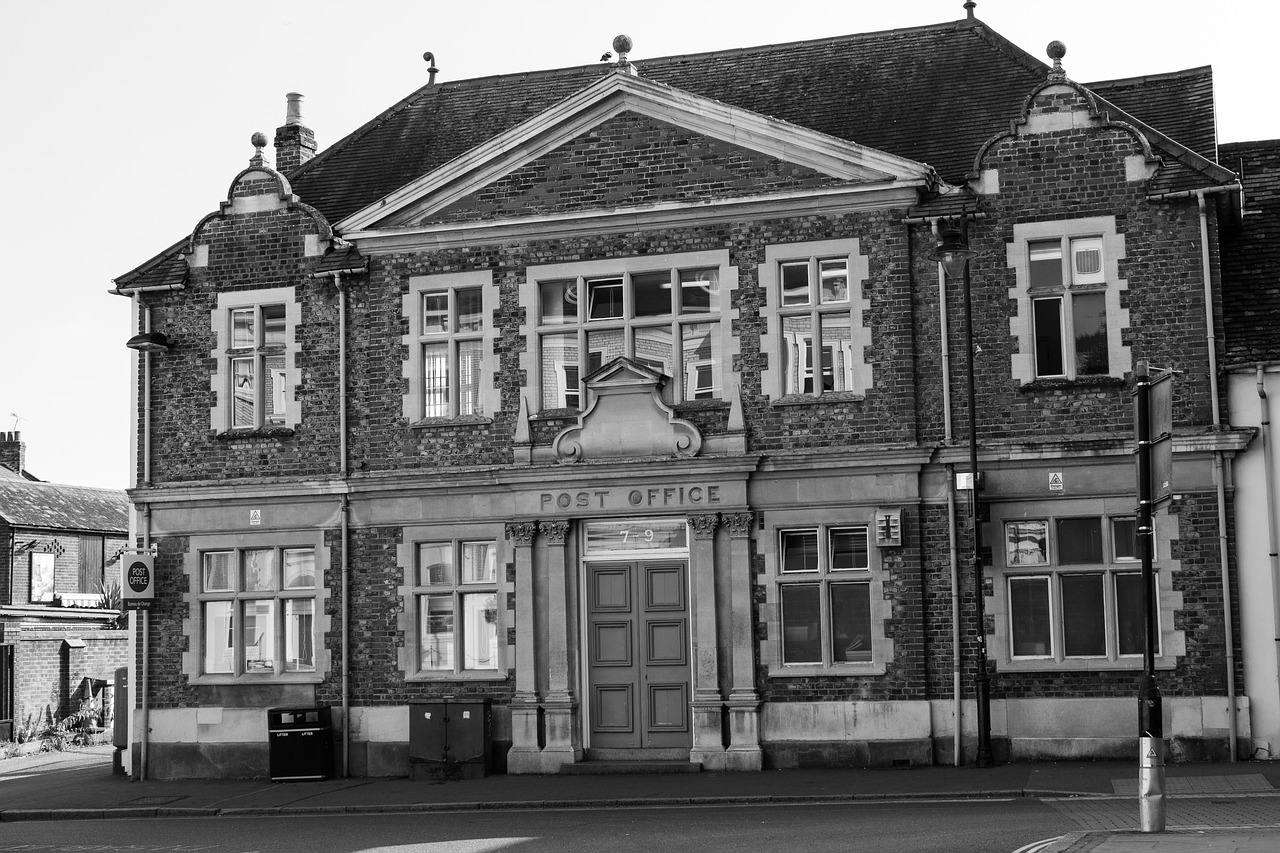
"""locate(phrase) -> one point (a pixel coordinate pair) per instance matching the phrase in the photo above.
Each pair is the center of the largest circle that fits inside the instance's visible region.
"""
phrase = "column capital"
(704, 524)
(739, 523)
(522, 532)
(555, 532)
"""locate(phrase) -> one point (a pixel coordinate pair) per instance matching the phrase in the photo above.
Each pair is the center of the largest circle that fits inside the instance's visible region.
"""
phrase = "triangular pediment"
(752, 145)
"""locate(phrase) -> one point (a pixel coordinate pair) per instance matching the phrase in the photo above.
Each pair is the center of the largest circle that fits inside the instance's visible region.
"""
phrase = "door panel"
(638, 702)
(612, 645)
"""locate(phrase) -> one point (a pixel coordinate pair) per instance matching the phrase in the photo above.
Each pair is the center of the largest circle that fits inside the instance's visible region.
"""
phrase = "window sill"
(1082, 665)
(836, 670)
(487, 675)
(1079, 383)
(245, 680)
(258, 432)
(810, 400)
(701, 405)
(440, 423)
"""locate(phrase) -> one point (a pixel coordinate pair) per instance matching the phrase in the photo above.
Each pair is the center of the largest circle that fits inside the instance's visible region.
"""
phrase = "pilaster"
(744, 702)
(563, 734)
(524, 754)
(708, 737)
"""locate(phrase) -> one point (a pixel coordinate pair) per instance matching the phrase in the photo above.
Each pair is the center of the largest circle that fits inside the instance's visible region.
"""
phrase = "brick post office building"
(629, 398)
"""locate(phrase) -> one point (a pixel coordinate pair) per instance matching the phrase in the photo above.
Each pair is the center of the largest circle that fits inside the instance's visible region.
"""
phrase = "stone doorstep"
(623, 768)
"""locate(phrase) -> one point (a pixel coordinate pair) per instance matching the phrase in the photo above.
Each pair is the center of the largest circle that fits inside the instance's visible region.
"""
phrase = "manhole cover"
(153, 801)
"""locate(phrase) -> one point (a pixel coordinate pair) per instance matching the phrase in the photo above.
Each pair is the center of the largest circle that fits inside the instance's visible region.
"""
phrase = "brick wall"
(50, 663)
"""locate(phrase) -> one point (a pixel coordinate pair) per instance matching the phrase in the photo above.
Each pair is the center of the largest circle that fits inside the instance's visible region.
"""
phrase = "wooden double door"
(638, 655)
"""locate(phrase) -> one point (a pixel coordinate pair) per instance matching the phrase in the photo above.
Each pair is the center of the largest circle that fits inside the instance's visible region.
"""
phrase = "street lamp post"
(954, 254)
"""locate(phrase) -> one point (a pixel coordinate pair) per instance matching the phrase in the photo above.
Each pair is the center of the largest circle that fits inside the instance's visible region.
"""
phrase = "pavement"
(1209, 807)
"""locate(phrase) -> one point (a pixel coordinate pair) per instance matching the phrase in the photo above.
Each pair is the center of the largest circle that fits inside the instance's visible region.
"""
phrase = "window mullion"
(679, 368)
(1056, 638)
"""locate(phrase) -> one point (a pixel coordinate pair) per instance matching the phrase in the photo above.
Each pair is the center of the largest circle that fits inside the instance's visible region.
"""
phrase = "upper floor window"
(255, 375)
(814, 313)
(668, 314)
(451, 352)
(1070, 307)
(1068, 295)
(257, 366)
(451, 360)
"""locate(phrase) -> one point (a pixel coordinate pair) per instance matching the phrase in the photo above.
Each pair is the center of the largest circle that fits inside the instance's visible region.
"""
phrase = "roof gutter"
(125, 290)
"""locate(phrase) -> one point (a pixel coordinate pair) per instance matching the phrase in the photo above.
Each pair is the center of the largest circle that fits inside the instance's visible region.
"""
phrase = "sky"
(127, 120)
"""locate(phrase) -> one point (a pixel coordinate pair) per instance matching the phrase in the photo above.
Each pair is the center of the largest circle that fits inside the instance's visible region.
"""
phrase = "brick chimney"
(295, 142)
(13, 453)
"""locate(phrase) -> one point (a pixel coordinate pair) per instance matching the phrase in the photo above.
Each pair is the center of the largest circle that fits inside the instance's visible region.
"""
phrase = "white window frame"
(825, 523)
(225, 355)
(193, 660)
(1099, 232)
(787, 349)
(1051, 572)
(409, 655)
(415, 403)
(581, 274)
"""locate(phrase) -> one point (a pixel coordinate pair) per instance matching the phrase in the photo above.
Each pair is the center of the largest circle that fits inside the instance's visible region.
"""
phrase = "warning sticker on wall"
(1055, 481)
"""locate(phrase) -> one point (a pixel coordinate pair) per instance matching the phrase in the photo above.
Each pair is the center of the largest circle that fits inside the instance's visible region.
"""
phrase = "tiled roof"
(932, 94)
(166, 271)
(963, 84)
(1180, 104)
(1251, 257)
(50, 506)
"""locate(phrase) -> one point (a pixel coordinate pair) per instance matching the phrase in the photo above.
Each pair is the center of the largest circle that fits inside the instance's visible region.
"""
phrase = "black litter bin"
(298, 742)
(450, 740)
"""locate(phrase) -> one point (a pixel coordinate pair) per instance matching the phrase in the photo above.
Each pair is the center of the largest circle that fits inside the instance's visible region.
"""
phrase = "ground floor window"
(456, 600)
(1078, 615)
(825, 603)
(258, 611)
(1073, 589)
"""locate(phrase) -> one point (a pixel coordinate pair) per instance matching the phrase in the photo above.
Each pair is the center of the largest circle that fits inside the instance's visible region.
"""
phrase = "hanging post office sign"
(139, 587)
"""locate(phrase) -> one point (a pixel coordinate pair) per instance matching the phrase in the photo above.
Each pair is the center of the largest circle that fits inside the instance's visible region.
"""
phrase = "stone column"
(708, 739)
(564, 739)
(744, 703)
(524, 755)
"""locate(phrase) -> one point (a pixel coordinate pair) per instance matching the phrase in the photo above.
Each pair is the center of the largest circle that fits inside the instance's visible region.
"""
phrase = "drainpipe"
(1268, 474)
(346, 520)
(1219, 476)
(953, 547)
(144, 736)
(144, 739)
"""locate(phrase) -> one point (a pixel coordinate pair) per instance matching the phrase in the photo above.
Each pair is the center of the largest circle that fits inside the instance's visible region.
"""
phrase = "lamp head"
(149, 342)
(953, 251)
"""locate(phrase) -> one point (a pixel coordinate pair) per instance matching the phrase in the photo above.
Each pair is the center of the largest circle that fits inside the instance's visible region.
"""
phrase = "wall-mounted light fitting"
(150, 342)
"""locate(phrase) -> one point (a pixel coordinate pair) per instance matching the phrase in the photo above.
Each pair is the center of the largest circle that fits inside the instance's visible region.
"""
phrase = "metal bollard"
(1151, 783)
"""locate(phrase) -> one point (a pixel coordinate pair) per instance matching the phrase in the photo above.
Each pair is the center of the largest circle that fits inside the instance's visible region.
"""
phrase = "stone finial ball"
(1056, 50)
(622, 44)
(259, 140)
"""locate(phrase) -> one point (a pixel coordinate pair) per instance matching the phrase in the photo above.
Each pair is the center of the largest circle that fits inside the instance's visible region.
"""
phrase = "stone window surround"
(192, 660)
(407, 621)
(220, 383)
(1020, 323)
(772, 381)
(412, 402)
(530, 359)
(823, 519)
(1172, 641)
